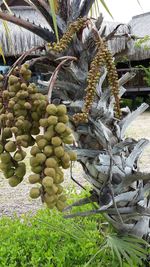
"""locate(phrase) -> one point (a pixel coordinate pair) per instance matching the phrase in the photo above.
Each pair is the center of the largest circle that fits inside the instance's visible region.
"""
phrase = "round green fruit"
(59, 151)
(14, 181)
(34, 178)
(51, 109)
(35, 192)
(61, 110)
(51, 163)
(56, 141)
(52, 120)
(48, 150)
(50, 172)
(47, 181)
(10, 146)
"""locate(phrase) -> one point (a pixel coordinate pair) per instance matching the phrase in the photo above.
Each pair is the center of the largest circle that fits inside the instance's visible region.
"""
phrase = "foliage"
(47, 239)
(143, 41)
(52, 7)
(147, 74)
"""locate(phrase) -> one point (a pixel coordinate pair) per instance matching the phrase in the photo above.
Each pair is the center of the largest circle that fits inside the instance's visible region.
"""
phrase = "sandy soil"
(16, 200)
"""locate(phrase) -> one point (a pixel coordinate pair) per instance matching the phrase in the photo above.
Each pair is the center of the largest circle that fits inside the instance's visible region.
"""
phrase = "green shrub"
(48, 240)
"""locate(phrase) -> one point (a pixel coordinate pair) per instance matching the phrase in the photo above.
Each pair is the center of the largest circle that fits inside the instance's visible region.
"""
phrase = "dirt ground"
(17, 201)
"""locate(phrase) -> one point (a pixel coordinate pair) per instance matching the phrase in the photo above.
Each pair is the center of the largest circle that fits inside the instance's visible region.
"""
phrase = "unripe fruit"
(9, 173)
(40, 157)
(48, 150)
(34, 150)
(49, 134)
(36, 169)
(42, 143)
(43, 122)
(63, 118)
(49, 199)
(39, 137)
(19, 155)
(10, 146)
(72, 155)
(20, 170)
(12, 79)
(35, 192)
(59, 151)
(27, 105)
(65, 165)
(13, 181)
(51, 190)
(61, 110)
(65, 158)
(67, 132)
(5, 157)
(62, 198)
(34, 162)
(34, 178)
(68, 140)
(51, 109)
(51, 163)
(50, 172)
(10, 116)
(60, 189)
(52, 120)
(60, 127)
(47, 181)
(60, 205)
(56, 141)
(6, 133)
(14, 130)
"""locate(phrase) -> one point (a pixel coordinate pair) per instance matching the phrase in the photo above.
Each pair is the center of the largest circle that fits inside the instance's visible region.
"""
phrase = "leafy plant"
(47, 239)
(147, 73)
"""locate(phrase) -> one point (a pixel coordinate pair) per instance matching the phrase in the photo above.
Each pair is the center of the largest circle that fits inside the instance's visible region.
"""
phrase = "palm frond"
(2, 54)
(106, 7)
(128, 248)
(53, 8)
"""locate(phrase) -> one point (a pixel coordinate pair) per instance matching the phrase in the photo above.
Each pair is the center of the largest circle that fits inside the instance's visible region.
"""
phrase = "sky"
(124, 10)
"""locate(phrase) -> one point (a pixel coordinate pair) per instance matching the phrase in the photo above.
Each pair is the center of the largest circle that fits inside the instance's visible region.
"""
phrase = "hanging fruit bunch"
(50, 157)
(23, 112)
(102, 58)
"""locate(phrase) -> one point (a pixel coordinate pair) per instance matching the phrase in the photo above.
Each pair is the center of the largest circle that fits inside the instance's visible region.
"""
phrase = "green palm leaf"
(106, 7)
(129, 249)
(2, 54)
(52, 8)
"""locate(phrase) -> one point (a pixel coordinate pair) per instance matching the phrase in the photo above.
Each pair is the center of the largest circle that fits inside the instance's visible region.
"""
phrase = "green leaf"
(106, 7)
(2, 54)
(52, 8)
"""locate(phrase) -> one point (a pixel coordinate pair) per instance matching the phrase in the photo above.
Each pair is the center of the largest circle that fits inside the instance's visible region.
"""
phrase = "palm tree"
(109, 159)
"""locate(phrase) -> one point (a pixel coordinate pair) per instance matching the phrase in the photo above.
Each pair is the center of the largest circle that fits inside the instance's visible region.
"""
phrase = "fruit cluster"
(92, 79)
(73, 28)
(23, 113)
(49, 157)
(19, 103)
(112, 79)
(103, 57)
